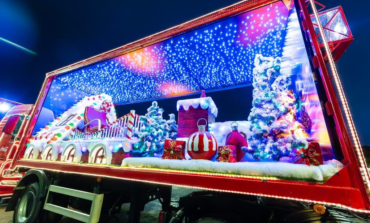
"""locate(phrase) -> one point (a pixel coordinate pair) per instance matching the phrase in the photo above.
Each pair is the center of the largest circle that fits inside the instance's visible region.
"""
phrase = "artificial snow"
(267, 169)
(204, 103)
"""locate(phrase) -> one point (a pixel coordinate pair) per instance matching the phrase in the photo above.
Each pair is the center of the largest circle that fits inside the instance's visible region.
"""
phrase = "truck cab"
(11, 127)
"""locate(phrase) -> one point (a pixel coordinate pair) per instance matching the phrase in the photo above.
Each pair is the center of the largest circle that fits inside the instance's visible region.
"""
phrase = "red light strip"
(218, 190)
(343, 99)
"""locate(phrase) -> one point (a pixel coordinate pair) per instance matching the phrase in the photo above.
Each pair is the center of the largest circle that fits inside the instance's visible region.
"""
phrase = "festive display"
(242, 169)
(295, 63)
(174, 150)
(60, 129)
(173, 126)
(191, 110)
(152, 134)
(221, 130)
(236, 139)
(310, 156)
(276, 131)
(226, 154)
(202, 144)
(276, 134)
(189, 62)
(279, 110)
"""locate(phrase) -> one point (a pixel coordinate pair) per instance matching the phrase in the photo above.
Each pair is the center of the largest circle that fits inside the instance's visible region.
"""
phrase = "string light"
(343, 99)
(216, 56)
(213, 189)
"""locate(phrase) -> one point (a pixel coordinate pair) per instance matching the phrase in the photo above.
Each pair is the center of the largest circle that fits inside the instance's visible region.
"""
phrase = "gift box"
(174, 150)
(310, 156)
(227, 154)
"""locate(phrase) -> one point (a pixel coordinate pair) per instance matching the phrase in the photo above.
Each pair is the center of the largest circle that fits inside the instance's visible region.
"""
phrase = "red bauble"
(202, 144)
(236, 139)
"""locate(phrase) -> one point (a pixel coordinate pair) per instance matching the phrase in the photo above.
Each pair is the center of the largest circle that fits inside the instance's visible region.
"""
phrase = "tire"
(29, 205)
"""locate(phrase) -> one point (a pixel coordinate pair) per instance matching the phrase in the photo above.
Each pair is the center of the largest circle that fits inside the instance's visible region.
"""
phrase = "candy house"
(191, 111)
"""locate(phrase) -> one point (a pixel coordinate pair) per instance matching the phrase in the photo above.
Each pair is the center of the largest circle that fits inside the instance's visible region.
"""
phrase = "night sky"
(64, 32)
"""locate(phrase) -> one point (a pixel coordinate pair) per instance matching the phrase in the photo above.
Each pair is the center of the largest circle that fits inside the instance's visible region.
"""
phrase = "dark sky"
(64, 32)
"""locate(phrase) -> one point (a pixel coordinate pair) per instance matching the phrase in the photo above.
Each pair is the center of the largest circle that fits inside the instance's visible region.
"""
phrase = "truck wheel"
(28, 205)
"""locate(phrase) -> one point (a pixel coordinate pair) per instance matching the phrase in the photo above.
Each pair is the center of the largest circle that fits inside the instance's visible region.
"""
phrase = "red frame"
(6, 190)
(337, 47)
(345, 189)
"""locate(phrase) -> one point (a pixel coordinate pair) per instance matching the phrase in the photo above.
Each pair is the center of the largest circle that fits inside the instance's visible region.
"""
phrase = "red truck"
(9, 129)
(270, 139)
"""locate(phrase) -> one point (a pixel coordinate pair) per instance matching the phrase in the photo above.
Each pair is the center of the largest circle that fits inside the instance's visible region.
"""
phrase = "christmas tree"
(152, 134)
(275, 131)
(173, 127)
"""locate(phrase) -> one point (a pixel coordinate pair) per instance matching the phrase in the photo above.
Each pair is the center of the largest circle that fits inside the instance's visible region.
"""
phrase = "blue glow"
(217, 56)
(17, 46)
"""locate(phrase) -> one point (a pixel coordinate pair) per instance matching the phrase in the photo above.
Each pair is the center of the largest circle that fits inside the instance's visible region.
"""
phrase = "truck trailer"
(244, 105)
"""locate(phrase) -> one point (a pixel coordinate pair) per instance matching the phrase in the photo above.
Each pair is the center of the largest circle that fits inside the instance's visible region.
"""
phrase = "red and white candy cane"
(130, 125)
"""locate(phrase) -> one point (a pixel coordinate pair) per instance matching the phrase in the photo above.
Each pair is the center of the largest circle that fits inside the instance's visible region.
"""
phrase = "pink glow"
(144, 60)
(258, 23)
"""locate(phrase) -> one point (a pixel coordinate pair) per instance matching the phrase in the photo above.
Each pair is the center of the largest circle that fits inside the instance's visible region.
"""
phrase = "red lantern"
(202, 144)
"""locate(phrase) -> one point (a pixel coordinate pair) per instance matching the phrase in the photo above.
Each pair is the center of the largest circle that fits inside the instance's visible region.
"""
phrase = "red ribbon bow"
(307, 156)
(224, 154)
(173, 151)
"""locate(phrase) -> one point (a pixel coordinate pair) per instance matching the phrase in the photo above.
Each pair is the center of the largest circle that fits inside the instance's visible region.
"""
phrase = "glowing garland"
(343, 100)
(217, 190)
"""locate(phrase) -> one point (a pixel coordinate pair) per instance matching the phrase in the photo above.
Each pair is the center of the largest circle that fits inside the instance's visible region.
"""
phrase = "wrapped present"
(310, 156)
(227, 154)
(174, 149)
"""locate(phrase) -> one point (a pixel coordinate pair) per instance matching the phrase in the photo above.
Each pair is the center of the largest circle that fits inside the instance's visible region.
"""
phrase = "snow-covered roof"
(205, 103)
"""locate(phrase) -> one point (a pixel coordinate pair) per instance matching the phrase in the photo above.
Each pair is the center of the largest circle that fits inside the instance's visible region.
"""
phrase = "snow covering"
(205, 103)
(267, 169)
(60, 129)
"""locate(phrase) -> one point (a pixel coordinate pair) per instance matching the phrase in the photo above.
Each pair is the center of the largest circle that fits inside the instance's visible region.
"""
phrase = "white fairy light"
(343, 99)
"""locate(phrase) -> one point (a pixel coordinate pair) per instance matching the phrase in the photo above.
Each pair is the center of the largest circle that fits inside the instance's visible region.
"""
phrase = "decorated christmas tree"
(275, 131)
(153, 133)
(173, 127)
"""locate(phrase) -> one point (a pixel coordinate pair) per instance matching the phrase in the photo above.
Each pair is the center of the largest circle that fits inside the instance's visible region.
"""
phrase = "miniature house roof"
(204, 103)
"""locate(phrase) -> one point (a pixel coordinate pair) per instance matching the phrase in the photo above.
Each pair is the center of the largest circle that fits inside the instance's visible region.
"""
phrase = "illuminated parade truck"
(244, 105)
